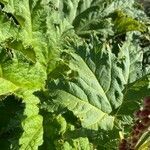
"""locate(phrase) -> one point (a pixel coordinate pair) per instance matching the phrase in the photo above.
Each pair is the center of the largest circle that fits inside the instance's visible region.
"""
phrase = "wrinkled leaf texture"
(70, 52)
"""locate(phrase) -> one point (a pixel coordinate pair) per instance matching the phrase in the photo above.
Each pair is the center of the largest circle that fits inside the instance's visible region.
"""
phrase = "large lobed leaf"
(95, 70)
(23, 71)
(94, 88)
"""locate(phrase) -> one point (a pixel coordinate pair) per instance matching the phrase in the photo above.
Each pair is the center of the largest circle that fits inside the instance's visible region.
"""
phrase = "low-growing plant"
(141, 126)
(72, 74)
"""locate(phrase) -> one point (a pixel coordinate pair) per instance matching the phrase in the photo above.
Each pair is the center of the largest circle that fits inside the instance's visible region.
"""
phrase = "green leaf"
(123, 23)
(81, 143)
(87, 16)
(58, 134)
(133, 94)
(24, 75)
(7, 87)
(97, 87)
(93, 75)
(27, 51)
(8, 29)
(32, 136)
(28, 36)
(92, 16)
(90, 116)
(95, 94)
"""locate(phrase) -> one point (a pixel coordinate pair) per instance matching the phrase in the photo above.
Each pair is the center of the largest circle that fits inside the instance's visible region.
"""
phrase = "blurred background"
(146, 4)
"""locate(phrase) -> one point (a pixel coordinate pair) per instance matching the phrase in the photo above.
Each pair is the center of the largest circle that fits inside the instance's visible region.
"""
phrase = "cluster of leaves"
(72, 72)
(141, 126)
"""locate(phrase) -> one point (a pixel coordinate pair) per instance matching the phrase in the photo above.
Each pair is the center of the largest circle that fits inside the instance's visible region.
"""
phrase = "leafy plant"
(140, 127)
(72, 71)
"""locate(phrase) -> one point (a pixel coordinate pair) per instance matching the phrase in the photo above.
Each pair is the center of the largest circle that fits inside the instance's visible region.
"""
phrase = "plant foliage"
(72, 72)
